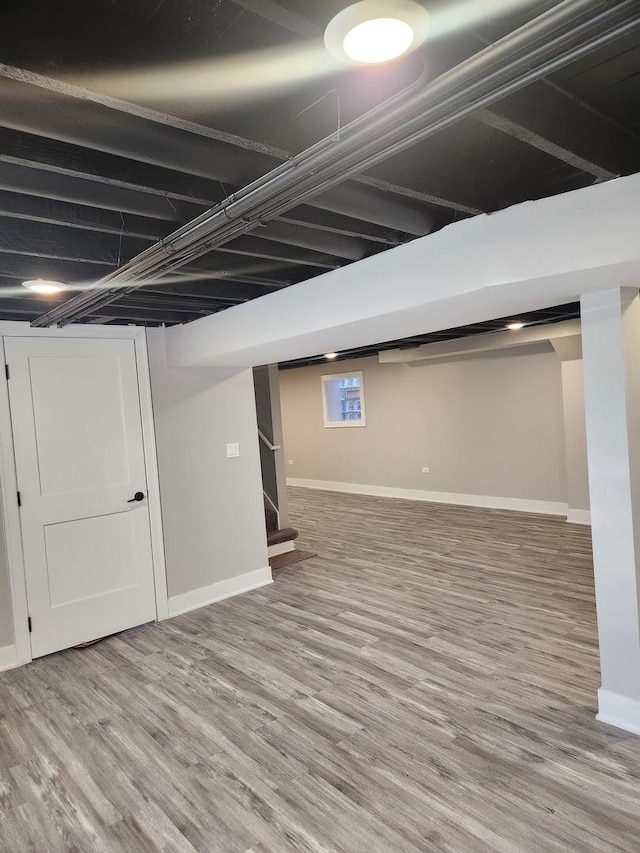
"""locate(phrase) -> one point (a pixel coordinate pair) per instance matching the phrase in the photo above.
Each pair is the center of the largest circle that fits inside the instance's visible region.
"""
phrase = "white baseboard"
(8, 657)
(579, 516)
(618, 711)
(218, 591)
(487, 501)
(282, 548)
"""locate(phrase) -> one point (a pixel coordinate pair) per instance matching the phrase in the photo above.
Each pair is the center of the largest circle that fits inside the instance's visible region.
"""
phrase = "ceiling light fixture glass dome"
(376, 31)
(379, 40)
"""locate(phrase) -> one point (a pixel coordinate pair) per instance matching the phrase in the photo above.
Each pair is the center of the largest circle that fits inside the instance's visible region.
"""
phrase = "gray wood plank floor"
(427, 682)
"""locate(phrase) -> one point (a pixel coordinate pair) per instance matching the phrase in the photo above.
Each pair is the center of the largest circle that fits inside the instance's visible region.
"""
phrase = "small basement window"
(343, 399)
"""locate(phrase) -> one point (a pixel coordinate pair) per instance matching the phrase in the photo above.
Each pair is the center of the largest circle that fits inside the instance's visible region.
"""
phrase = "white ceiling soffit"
(490, 342)
(530, 256)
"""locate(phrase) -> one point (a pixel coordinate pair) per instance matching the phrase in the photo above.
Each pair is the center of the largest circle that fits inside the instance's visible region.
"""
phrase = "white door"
(75, 412)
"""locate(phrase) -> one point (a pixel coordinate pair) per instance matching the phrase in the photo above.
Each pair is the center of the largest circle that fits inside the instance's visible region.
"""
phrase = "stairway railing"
(273, 507)
(266, 442)
(267, 497)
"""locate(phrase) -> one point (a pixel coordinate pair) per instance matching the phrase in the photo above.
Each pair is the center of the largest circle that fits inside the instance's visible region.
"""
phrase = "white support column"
(611, 355)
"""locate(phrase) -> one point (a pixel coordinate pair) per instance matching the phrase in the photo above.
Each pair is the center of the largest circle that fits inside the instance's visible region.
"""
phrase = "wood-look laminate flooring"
(426, 683)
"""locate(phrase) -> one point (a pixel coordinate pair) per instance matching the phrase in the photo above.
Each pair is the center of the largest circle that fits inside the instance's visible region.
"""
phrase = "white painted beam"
(568, 348)
(530, 256)
(475, 344)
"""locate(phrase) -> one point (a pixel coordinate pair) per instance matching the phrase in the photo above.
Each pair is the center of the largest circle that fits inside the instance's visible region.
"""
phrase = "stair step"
(277, 537)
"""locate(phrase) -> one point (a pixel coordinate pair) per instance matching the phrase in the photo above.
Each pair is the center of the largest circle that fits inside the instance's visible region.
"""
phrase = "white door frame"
(10, 513)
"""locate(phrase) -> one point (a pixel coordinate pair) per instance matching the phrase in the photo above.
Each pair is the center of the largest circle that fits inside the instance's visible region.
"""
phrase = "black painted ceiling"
(179, 102)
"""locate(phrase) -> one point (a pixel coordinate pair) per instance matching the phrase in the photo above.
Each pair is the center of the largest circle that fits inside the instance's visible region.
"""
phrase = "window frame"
(327, 377)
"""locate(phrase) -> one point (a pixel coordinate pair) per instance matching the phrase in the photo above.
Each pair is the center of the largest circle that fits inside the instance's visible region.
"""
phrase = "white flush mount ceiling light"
(378, 41)
(43, 285)
(376, 31)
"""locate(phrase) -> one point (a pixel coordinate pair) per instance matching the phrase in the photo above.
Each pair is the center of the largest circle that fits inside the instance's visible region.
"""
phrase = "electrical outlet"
(290, 461)
(425, 470)
(233, 449)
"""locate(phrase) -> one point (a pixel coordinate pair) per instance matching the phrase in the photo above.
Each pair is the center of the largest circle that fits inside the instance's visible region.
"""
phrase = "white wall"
(212, 509)
(575, 435)
(487, 425)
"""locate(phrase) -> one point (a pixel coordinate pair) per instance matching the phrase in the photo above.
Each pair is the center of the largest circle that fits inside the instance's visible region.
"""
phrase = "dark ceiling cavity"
(94, 170)
(545, 316)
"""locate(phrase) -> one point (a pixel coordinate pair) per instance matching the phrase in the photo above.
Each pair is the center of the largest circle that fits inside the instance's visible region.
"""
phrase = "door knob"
(139, 496)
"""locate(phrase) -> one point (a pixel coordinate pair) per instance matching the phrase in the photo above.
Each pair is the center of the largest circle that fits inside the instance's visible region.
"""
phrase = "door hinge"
(29, 621)
(6, 370)
(19, 498)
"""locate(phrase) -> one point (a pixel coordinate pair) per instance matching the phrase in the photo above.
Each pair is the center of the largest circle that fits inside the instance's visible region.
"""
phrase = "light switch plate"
(233, 450)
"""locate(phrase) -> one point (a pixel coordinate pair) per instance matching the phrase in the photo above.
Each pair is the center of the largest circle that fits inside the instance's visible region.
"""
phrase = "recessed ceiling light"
(331, 355)
(515, 326)
(375, 31)
(43, 285)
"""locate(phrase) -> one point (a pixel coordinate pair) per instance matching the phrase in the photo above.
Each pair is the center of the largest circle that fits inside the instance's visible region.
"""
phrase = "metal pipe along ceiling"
(568, 31)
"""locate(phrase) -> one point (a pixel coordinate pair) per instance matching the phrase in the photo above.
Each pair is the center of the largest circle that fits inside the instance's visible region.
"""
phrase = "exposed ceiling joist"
(528, 54)
(250, 247)
(58, 240)
(308, 238)
(37, 152)
(530, 137)
(218, 287)
(427, 198)
(63, 125)
(275, 13)
(263, 274)
(78, 190)
(228, 272)
(156, 299)
(21, 267)
(148, 315)
(69, 90)
(119, 318)
(35, 239)
(590, 108)
(293, 235)
(306, 234)
(84, 186)
(139, 310)
(54, 241)
(135, 174)
(376, 206)
(205, 298)
(86, 124)
(547, 118)
(80, 216)
(526, 125)
(337, 224)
